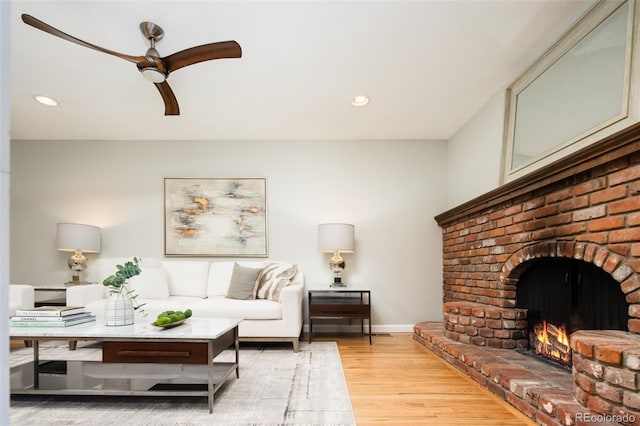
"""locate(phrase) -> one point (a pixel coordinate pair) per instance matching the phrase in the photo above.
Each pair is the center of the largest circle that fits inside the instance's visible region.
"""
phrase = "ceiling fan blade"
(36, 23)
(170, 102)
(205, 52)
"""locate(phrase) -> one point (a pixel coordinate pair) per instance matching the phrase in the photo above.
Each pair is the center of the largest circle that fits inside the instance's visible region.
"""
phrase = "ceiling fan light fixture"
(45, 100)
(360, 100)
(153, 75)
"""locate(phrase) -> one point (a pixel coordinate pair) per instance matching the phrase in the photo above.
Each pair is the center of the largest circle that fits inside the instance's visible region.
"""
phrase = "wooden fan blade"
(36, 23)
(170, 102)
(205, 52)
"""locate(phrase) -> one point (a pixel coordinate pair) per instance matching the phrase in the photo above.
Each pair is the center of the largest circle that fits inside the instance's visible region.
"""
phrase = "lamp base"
(75, 279)
(337, 281)
(338, 285)
(76, 282)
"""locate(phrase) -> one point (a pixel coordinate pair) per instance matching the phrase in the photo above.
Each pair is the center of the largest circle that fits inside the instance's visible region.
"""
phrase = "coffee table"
(128, 352)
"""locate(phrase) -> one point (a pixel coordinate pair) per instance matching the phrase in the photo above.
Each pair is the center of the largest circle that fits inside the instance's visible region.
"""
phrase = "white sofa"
(202, 286)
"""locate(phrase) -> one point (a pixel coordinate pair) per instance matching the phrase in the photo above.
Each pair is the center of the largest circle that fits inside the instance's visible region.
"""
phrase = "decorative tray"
(171, 324)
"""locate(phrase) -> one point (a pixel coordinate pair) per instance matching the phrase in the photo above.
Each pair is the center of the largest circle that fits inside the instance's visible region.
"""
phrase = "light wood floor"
(398, 381)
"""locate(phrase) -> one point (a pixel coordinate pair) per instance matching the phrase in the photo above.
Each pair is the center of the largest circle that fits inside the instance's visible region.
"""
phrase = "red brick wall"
(593, 216)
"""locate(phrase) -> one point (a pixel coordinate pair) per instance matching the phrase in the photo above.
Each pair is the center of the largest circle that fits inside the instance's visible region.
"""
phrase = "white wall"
(475, 152)
(390, 190)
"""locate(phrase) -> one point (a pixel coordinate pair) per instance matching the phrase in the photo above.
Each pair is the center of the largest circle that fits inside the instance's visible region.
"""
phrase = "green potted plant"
(122, 303)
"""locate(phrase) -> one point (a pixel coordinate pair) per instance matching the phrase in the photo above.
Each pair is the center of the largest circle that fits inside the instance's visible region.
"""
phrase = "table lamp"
(77, 238)
(336, 238)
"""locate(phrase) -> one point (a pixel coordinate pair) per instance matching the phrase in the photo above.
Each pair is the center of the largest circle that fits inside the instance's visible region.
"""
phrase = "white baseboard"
(393, 328)
(355, 328)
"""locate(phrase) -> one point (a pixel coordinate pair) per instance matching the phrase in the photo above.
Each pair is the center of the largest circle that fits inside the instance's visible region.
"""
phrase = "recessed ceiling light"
(45, 100)
(360, 100)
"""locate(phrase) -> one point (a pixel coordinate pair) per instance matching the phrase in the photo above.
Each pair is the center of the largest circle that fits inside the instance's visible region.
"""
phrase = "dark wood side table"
(340, 303)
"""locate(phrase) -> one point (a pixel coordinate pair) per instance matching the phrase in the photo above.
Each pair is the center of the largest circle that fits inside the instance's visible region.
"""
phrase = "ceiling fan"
(153, 67)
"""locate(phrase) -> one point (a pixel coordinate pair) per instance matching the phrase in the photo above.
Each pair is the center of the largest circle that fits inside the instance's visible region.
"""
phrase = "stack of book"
(51, 316)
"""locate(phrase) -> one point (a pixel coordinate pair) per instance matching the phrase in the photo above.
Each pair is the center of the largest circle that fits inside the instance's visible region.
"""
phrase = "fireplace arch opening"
(564, 295)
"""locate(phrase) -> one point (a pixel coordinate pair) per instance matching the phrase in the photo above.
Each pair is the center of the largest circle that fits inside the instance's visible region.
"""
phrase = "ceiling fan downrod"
(154, 33)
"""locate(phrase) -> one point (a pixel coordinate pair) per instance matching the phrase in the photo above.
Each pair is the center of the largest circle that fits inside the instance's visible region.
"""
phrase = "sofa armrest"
(81, 295)
(291, 299)
(21, 296)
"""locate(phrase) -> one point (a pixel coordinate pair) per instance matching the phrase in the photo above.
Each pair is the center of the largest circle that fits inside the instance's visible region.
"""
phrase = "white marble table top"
(191, 329)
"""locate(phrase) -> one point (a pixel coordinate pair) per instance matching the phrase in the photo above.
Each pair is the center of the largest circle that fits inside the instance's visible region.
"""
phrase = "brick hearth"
(540, 392)
(586, 207)
(603, 389)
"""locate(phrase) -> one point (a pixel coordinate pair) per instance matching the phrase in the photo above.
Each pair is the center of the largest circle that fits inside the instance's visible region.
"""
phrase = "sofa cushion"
(187, 278)
(233, 308)
(273, 278)
(219, 278)
(243, 282)
(215, 307)
(107, 266)
(152, 283)
(153, 307)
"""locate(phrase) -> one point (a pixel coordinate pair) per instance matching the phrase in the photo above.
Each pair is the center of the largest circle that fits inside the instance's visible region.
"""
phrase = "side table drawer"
(345, 311)
(154, 352)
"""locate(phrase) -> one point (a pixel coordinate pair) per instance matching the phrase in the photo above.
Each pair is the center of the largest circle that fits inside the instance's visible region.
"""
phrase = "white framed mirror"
(581, 90)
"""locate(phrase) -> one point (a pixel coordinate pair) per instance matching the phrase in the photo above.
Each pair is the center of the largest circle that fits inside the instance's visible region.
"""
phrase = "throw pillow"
(243, 281)
(273, 278)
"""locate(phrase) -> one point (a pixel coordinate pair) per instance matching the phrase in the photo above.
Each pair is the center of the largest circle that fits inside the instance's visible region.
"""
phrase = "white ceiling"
(428, 66)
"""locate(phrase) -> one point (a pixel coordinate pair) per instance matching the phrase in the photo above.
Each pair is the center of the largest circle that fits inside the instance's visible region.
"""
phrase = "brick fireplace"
(585, 208)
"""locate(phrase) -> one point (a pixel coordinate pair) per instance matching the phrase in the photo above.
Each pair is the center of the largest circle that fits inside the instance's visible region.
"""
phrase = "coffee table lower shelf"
(88, 378)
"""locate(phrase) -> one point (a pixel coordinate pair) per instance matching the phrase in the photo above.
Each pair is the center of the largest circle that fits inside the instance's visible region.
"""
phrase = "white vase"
(119, 310)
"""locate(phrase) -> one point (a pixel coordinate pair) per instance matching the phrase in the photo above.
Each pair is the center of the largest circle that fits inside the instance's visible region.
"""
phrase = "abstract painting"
(215, 217)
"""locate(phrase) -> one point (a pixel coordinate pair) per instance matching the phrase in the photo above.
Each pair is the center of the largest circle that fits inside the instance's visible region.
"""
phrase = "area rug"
(276, 387)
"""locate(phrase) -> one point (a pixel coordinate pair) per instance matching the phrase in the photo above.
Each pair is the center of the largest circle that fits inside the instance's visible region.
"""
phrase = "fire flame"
(553, 342)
